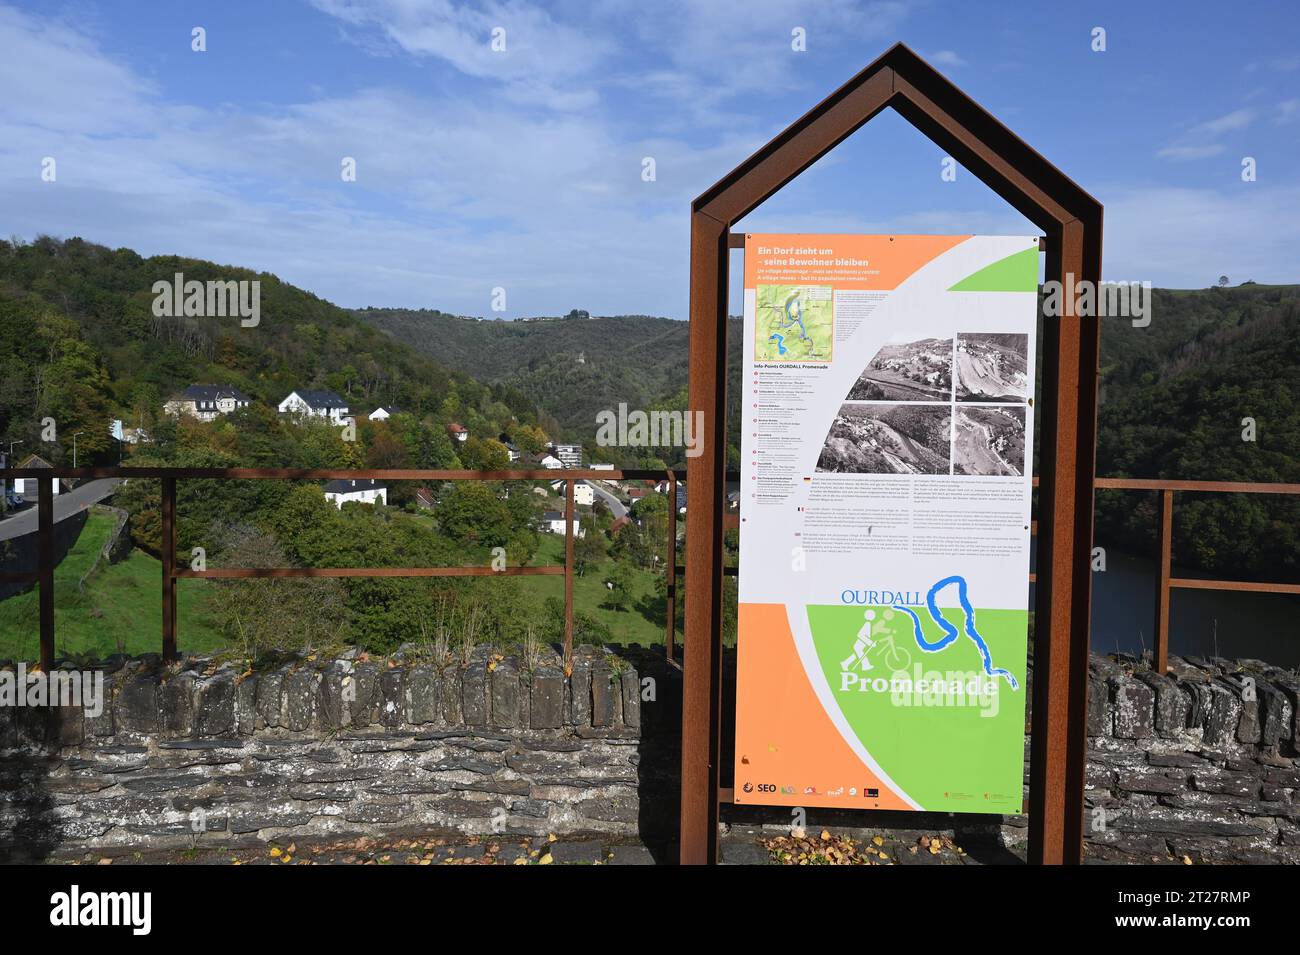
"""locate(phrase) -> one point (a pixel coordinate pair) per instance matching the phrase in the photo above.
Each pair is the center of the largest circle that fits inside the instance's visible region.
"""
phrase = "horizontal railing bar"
(680, 571)
(1192, 583)
(253, 572)
(1232, 487)
(575, 474)
(320, 474)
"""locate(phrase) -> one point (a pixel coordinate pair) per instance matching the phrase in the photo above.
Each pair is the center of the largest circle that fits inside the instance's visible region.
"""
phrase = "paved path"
(69, 502)
(616, 507)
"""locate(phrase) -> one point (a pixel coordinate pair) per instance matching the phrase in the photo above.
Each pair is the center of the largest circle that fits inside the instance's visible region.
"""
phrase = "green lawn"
(642, 623)
(120, 611)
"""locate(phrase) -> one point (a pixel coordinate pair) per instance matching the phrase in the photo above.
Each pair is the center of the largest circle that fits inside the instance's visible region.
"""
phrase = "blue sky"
(522, 169)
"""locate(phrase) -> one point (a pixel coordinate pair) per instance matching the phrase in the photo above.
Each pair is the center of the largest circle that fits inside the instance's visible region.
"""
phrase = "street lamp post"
(4, 484)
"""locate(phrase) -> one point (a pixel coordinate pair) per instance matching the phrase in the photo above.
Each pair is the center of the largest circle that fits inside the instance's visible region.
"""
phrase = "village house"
(458, 431)
(583, 493)
(425, 499)
(206, 402)
(316, 404)
(384, 412)
(547, 461)
(553, 523)
(363, 491)
(29, 488)
(570, 455)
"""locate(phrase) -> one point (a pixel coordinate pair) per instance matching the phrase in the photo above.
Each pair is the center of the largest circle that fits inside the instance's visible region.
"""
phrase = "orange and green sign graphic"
(885, 507)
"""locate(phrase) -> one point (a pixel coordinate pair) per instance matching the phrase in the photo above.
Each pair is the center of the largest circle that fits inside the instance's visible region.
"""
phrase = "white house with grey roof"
(357, 491)
(553, 523)
(316, 404)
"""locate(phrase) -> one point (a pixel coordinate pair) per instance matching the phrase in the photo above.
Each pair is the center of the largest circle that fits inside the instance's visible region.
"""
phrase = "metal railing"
(43, 576)
(1165, 583)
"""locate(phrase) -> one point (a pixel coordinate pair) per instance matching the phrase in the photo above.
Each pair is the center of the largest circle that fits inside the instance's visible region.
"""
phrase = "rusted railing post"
(670, 569)
(45, 569)
(568, 568)
(1164, 539)
(169, 568)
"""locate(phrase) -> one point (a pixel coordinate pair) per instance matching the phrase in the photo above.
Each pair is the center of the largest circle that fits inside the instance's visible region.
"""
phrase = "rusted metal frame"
(1225, 487)
(1058, 748)
(322, 474)
(798, 147)
(945, 117)
(1196, 583)
(1164, 550)
(45, 568)
(726, 571)
(569, 569)
(670, 571)
(240, 573)
(168, 545)
(1047, 196)
(702, 640)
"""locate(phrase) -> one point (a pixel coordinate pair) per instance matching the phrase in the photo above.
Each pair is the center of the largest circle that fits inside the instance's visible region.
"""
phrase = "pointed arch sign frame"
(1071, 220)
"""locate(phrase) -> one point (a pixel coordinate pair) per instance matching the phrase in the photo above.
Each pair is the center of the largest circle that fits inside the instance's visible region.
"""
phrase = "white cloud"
(539, 61)
(1198, 142)
(1186, 238)
(1191, 152)
(946, 58)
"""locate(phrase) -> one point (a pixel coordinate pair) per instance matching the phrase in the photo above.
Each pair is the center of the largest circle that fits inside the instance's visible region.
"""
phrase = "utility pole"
(74, 448)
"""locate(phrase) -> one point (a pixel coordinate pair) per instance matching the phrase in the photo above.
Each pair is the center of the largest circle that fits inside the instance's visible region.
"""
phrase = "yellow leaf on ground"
(545, 860)
(275, 852)
(878, 841)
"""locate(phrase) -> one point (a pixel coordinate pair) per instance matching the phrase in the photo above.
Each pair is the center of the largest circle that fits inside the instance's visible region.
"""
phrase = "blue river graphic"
(780, 342)
(795, 317)
(950, 632)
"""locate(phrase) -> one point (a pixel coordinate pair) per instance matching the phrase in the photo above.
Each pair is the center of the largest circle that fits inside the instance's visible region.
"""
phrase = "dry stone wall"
(1199, 764)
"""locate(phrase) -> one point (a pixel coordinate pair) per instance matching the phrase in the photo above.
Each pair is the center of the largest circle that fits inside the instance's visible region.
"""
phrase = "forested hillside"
(571, 368)
(1174, 394)
(79, 343)
(1174, 398)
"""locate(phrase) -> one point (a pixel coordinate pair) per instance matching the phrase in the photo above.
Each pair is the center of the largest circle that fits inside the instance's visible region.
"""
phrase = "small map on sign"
(794, 323)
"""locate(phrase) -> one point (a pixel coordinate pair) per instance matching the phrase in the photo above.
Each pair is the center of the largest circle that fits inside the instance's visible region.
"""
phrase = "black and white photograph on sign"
(888, 438)
(989, 441)
(992, 366)
(907, 371)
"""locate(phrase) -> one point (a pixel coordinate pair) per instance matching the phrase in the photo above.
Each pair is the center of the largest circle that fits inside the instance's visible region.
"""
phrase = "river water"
(1202, 622)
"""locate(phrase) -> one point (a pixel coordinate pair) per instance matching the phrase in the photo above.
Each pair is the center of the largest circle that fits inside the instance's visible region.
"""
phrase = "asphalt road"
(616, 507)
(69, 502)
